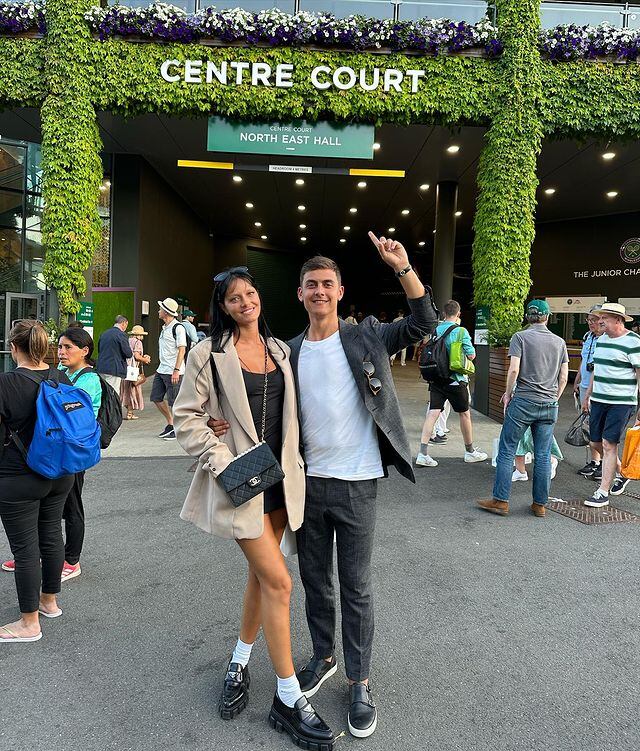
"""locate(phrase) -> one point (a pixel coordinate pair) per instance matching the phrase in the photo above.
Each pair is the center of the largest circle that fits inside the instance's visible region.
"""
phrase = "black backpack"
(110, 412)
(186, 336)
(434, 358)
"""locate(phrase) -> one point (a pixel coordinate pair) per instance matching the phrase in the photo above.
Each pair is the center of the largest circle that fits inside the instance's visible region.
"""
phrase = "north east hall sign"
(281, 77)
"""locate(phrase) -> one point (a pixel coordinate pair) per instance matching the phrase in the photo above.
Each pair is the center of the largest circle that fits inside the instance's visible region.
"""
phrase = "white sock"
(242, 653)
(289, 690)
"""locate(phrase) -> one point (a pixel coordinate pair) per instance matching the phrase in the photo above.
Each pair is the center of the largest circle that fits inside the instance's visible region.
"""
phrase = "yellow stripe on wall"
(204, 165)
(377, 172)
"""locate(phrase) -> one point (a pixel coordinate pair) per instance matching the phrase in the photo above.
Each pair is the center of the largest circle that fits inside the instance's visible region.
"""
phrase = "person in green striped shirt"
(612, 396)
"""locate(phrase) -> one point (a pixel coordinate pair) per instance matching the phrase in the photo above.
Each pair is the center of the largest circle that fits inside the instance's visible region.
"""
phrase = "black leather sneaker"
(363, 716)
(303, 725)
(588, 469)
(235, 691)
(315, 674)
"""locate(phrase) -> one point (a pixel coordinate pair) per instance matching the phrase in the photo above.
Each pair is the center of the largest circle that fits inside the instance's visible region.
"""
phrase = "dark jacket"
(114, 351)
(375, 342)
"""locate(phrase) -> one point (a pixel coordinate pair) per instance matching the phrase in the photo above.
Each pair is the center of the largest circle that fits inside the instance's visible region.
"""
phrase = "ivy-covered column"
(507, 181)
(72, 168)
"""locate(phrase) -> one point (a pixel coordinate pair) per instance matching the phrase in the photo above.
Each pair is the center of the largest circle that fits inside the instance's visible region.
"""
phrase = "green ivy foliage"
(22, 82)
(504, 223)
(72, 168)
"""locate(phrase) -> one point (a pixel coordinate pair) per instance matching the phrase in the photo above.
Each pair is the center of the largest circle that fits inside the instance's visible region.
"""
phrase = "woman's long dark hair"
(80, 338)
(222, 325)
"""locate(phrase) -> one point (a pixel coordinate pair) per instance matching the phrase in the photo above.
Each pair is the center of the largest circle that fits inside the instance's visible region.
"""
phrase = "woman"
(525, 447)
(130, 392)
(225, 378)
(75, 348)
(30, 505)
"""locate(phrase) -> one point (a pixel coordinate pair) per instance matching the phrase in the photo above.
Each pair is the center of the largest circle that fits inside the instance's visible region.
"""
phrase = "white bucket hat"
(169, 305)
(615, 309)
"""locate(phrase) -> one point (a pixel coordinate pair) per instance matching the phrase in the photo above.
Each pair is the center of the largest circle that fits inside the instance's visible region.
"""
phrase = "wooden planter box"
(498, 367)
(52, 355)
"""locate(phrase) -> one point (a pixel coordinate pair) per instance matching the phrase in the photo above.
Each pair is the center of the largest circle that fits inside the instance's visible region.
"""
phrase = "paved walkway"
(493, 634)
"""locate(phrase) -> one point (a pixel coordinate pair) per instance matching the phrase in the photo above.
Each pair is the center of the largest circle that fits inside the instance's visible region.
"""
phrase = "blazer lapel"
(231, 384)
(354, 351)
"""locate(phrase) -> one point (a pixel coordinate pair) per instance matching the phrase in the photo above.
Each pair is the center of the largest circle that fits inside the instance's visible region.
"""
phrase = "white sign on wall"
(631, 304)
(576, 304)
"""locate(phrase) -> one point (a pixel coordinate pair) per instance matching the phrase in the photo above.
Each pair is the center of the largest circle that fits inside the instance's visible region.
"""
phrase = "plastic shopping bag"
(631, 454)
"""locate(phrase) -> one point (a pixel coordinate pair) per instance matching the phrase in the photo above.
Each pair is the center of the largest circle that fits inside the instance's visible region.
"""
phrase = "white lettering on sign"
(290, 168)
(322, 77)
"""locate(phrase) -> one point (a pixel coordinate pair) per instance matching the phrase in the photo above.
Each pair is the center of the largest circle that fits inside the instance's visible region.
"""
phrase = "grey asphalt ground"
(491, 633)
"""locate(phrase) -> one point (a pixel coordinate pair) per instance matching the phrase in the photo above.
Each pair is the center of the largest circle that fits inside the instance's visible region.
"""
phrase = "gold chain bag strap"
(256, 469)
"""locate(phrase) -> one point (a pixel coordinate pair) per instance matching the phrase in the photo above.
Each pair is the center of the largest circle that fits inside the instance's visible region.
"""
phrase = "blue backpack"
(66, 438)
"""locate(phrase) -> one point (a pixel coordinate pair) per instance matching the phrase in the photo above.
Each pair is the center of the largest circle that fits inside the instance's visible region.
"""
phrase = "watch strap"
(404, 271)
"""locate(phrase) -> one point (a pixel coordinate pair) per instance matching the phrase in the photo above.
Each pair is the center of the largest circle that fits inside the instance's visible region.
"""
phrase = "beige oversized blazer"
(207, 505)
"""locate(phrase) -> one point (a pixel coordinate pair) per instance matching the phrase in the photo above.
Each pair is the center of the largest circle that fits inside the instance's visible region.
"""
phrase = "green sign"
(298, 138)
(85, 314)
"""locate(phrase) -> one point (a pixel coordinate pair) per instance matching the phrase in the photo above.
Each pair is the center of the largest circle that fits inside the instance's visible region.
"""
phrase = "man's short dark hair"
(320, 262)
(121, 319)
(451, 308)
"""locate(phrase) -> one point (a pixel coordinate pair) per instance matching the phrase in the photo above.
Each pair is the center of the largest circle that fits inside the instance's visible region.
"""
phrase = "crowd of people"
(291, 439)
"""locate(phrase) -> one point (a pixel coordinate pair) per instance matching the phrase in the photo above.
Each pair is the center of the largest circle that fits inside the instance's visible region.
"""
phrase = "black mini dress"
(254, 384)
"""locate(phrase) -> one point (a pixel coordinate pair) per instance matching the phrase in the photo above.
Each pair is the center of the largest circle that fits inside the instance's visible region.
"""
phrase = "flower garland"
(164, 22)
(572, 42)
(17, 18)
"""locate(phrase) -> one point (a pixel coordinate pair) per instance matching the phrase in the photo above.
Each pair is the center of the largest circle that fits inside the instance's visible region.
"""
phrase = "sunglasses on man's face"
(224, 275)
(375, 384)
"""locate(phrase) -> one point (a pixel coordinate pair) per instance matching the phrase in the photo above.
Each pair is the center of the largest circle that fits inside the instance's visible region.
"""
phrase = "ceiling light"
(434, 232)
(353, 210)
(453, 149)
(302, 207)
(303, 239)
(257, 224)
(422, 243)
(391, 230)
(458, 213)
(302, 226)
(362, 184)
(612, 193)
(249, 205)
(405, 211)
(237, 179)
(263, 237)
(549, 191)
(424, 186)
(299, 181)
(342, 240)
(346, 228)
(608, 155)
(376, 146)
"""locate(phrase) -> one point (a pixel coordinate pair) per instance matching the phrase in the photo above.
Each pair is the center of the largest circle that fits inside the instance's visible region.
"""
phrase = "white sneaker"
(474, 456)
(597, 500)
(424, 460)
(554, 466)
(519, 476)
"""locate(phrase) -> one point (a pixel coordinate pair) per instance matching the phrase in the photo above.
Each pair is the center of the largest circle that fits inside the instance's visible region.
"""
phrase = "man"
(538, 371)
(113, 353)
(187, 322)
(612, 396)
(592, 468)
(351, 318)
(456, 392)
(352, 431)
(167, 380)
(403, 353)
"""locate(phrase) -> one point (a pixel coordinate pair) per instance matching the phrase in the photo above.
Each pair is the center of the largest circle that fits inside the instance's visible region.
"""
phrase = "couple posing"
(330, 395)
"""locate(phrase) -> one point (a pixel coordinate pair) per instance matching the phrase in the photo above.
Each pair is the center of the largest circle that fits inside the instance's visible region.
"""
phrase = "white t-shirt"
(169, 347)
(339, 435)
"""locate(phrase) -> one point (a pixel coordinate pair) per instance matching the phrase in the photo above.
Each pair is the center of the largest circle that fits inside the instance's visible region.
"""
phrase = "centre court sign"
(322, 77)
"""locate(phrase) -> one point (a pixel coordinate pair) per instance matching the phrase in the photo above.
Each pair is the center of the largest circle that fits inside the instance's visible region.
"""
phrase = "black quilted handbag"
(254, 470)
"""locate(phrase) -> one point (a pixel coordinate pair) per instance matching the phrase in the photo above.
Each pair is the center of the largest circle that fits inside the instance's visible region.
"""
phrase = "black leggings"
(31, 512)
(73, 516)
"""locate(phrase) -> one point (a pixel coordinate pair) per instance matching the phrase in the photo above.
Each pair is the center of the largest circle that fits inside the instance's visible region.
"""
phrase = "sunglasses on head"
(375, 384)
(224, 275)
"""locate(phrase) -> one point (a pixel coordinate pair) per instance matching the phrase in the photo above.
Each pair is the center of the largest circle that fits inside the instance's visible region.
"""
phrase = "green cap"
(188, 312)
(541, 307)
